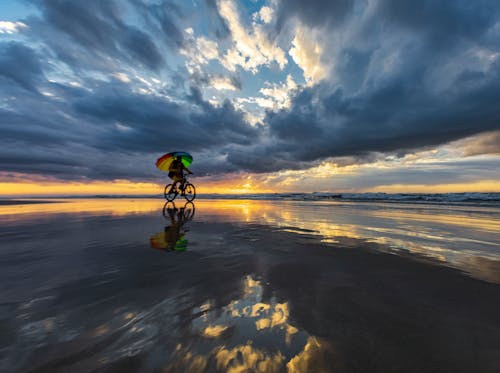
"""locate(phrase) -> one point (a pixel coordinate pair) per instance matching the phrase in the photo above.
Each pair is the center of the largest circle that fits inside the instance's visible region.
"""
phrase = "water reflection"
(249, 334)
(172, 238)
(85, 207)
(84, 291)
(463, 237)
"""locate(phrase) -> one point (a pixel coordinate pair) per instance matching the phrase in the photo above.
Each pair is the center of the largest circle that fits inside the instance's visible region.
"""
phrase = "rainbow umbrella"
(164, 162)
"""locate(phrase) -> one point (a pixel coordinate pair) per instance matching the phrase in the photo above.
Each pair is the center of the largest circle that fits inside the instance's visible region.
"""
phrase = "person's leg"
(177, 182)
(172, 188)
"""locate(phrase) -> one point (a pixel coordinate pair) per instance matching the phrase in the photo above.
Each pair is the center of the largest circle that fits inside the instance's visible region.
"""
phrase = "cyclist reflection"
(173, 237)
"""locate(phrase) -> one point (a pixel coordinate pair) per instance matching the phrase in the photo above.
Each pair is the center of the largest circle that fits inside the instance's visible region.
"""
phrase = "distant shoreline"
(11, 202)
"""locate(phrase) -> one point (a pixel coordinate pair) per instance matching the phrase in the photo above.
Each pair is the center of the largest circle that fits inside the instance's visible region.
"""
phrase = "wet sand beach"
(273, 286)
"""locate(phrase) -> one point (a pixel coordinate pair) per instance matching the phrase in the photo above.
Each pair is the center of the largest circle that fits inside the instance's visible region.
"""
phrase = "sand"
(256, 286)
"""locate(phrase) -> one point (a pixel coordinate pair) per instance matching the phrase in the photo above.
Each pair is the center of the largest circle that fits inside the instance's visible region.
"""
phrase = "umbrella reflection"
(173, 237)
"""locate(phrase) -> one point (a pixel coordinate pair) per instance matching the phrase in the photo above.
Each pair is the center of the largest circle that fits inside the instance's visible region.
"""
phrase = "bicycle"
(186, 212)
(185, 189)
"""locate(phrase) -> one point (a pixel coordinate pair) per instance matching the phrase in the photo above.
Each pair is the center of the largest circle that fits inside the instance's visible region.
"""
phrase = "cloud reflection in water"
(249, 334)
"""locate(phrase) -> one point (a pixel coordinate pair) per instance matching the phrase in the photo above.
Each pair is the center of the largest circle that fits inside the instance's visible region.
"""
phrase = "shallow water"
(128, 285)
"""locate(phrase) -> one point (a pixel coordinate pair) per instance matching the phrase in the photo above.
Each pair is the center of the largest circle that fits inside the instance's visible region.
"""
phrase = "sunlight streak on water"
(448, 233)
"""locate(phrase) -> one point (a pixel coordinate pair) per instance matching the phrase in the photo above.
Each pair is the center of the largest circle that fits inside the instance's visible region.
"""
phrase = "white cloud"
(143, 81)
(274, 96)
(223, 83)
(265, 103)
(251, 47)
(7, 27)
(252, 108)
(198, 51)
(307, 53)
(266, 14)
(122, 77)
(214, 101)
(207, 48)
(279, 93)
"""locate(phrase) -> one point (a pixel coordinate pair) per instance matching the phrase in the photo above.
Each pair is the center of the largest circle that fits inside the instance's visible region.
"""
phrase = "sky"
(268, 96)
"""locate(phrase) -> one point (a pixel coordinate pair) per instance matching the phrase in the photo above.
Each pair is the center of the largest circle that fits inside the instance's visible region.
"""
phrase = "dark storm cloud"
(142, 48)
(114, 133)
(30, 128)
(399, 116)
(263, 159)
(219, 25)
(151, 123)
(75, 162)
(363, 106)
(441, 20)
(37, 119)
(315, 12)
(20, 64)
(98, 27)
(161, 19)
(103, 129)
(44, 165)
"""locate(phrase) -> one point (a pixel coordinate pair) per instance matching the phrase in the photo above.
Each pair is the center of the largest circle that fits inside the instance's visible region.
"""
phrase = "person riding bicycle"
(176, 172)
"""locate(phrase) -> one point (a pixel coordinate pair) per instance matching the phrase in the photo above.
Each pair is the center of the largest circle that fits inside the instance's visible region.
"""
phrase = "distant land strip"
(22, 202)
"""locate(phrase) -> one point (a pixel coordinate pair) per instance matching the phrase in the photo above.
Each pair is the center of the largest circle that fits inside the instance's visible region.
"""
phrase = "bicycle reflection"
(173, 237)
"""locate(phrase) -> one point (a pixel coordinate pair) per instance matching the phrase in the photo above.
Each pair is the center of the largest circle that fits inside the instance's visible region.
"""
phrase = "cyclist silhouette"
(176, 172)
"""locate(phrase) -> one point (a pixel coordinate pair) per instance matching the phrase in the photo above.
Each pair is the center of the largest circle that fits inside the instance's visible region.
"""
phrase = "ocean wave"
(369, 197)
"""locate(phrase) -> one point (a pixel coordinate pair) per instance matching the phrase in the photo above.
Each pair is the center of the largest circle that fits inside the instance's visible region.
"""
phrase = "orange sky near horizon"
(237, 186)
(27, 188)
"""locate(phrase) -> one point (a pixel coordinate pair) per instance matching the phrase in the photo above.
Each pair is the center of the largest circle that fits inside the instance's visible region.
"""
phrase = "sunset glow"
(223, 187)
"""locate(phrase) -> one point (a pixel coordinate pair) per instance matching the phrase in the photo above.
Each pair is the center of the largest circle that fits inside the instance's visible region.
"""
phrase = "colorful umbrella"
(164, 162)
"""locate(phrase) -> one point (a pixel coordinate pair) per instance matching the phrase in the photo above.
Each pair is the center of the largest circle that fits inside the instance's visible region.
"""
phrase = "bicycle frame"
(179, 187)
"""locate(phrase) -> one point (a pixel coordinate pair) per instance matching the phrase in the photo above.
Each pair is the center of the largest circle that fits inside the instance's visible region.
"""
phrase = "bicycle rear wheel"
(170, 193)
(189, 192)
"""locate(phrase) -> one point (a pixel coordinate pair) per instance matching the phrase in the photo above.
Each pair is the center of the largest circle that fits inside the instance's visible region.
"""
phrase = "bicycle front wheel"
(188, 211)
(189, 192)
(170, 193)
